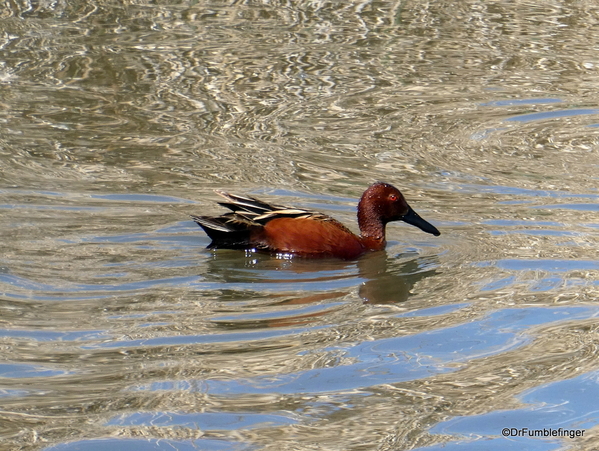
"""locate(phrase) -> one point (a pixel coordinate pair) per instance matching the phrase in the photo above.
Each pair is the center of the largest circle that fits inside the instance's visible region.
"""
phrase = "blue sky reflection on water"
(397, 359)
(570, 404)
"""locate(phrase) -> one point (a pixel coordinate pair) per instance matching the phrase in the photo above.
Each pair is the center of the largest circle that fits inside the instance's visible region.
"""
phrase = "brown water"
(119, 331)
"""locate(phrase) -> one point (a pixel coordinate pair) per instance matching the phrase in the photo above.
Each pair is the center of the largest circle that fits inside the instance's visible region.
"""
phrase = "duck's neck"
(372, 228)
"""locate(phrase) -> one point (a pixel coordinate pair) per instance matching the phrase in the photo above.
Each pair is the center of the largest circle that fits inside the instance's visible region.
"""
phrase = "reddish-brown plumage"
(253, 224)
(308, 237)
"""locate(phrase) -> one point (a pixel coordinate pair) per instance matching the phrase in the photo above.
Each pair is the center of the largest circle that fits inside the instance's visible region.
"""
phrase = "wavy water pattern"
(119, 330)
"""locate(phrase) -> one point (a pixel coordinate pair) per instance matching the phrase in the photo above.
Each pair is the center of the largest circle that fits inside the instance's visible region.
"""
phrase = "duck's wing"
(233, 229)
(257, 211)
(239, 204)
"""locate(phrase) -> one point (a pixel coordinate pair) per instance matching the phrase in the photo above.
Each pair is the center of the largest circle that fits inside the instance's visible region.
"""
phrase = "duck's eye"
(392, 197)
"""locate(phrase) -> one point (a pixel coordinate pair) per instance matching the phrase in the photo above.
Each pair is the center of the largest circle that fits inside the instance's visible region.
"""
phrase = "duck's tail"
(227, 231)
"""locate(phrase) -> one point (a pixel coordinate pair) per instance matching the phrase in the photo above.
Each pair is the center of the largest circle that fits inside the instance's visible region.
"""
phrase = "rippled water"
(120, 331)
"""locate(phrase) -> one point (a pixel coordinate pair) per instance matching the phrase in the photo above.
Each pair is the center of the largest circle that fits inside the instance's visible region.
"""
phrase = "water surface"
(120, 331)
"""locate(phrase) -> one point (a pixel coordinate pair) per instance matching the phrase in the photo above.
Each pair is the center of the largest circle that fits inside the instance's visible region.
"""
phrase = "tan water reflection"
(117, 121)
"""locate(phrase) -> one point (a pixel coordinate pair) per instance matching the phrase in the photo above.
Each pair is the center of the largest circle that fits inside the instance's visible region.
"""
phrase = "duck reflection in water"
(259, 291)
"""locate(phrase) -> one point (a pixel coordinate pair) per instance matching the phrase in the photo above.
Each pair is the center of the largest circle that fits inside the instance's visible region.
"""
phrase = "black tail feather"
(225, 232)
